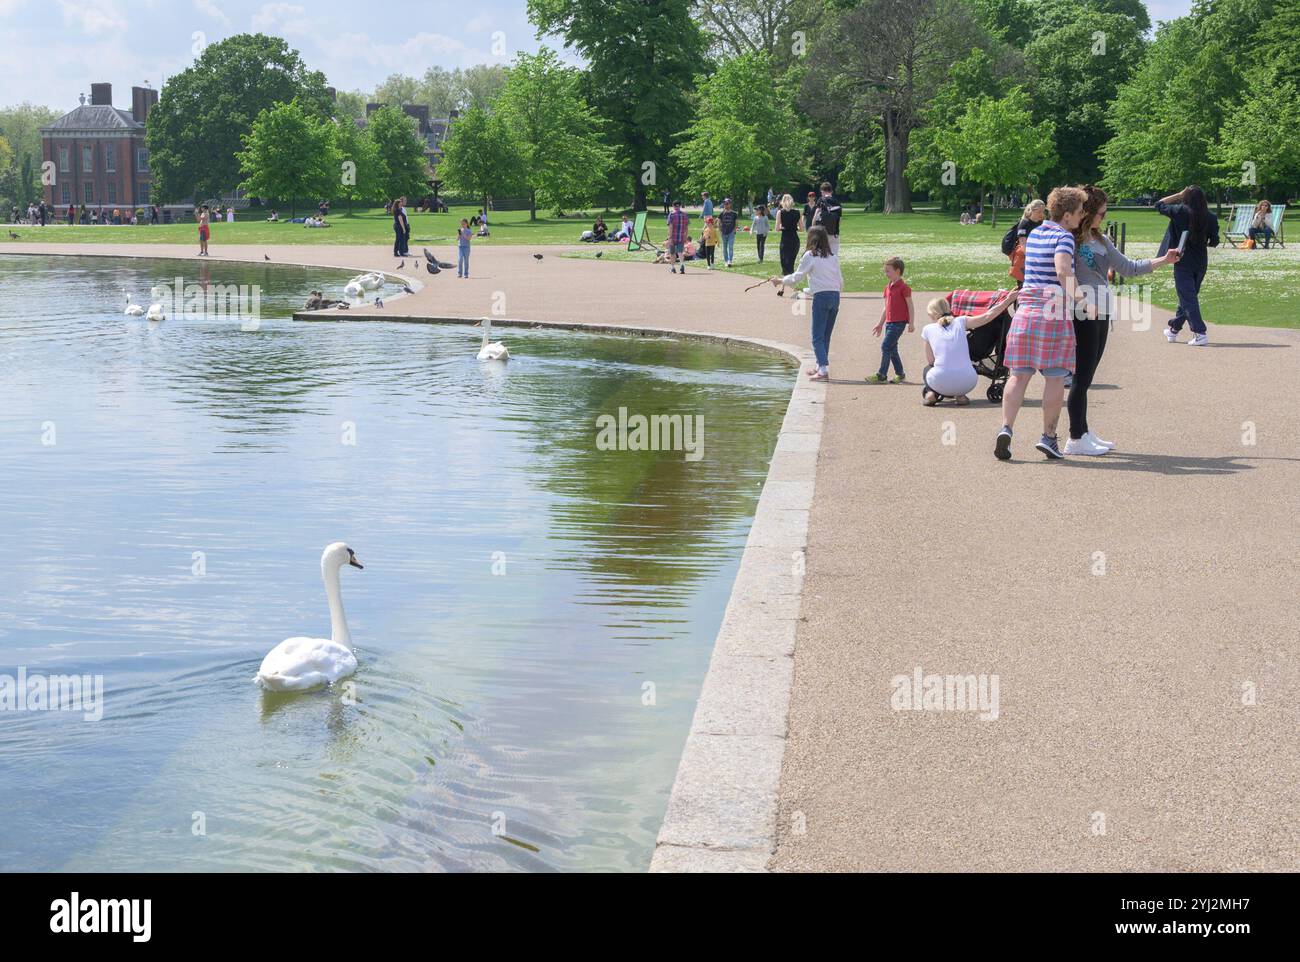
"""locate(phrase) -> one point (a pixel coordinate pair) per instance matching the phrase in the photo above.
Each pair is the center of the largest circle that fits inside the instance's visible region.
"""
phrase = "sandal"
(963, 401)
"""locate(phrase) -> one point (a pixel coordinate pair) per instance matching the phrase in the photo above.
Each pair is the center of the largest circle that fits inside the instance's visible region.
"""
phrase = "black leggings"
(762, 245)
(789, 250)
(1091, 339)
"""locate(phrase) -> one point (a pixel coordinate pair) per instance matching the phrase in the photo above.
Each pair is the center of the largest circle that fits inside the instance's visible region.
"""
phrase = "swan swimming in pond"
(297, 664)
(491, 352)
(132, 308)
(353, 289)
(155, 313)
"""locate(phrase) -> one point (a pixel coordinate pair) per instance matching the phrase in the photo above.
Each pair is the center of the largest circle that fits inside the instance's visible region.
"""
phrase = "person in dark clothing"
(401, 229)
(810, 209)
(727, 228)
(828, 215)
(787, 222)
(1188, 211)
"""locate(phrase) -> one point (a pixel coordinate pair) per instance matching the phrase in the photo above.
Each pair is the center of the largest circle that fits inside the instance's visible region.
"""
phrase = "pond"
(533, 623)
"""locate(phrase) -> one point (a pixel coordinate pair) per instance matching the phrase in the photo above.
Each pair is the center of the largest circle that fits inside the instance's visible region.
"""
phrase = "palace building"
(98, 152)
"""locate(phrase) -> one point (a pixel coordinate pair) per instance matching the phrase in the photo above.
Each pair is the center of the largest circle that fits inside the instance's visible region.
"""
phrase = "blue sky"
(54, 49)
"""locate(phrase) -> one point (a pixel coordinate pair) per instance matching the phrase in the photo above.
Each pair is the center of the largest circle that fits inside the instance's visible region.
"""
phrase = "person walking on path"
(1188, 211)
(1041, 338)
(706, 208)
(727, 228)
(822, 268)
(787, 221)
(678, 229)
(810, 209)
(463, 236)
(828, 215)
(949, 371)
(1013, 242)
(760, 226)
(1095, 260)
(205, 230)
(708, 241)
(894, 319)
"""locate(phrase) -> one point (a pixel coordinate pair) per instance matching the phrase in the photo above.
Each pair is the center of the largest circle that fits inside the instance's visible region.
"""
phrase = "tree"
(645, 54)
(480, 85)
(749, 26)
(364, 173)
(21, 127)
(996, 144)
(349, 105)
(746, 136)
(883, 63)
(481, 156)
(290, 153)
(565, 160)
(401, 152)
(399, 90)
(1260, 142)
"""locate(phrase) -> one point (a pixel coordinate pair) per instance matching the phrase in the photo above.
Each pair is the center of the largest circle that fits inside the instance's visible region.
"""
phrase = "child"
(709, 240)
(949, 372)
(822, 268)
(896, 317)
(760, 226)
(462, 248)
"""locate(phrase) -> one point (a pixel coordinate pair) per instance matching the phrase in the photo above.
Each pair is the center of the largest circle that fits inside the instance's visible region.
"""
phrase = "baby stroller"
(988, 344)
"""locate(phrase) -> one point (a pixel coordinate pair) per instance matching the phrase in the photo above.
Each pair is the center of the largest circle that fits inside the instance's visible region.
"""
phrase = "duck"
(489, 351)
(132, 309)
(302, 663)
(155, 313)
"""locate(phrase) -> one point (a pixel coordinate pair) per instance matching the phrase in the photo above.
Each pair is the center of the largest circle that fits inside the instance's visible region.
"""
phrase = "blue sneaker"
(1049, 447)
(1002, 450)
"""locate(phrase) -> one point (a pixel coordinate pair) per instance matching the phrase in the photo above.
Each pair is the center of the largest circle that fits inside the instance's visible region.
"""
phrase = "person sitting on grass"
(894, 319)
(949, 372)
(599, 232)
(274, 218)
(624, 231)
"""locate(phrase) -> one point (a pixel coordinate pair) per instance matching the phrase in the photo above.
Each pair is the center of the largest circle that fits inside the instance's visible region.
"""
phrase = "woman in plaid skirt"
(1041, 337)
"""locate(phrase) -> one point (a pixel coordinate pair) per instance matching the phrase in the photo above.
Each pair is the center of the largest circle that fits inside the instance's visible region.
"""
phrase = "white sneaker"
(1108, 445)
(1171, 335)
(1085, 446)
(1199, 340)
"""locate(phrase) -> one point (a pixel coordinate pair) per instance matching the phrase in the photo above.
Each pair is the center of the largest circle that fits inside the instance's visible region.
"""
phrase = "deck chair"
(638, 240)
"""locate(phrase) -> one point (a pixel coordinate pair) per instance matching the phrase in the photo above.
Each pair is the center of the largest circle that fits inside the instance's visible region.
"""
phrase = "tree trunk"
(532, 205)
(293, 207)
(898, 196)
(995, 208)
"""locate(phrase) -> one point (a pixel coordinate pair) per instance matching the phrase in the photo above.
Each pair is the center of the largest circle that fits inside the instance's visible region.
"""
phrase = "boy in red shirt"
(896, 316)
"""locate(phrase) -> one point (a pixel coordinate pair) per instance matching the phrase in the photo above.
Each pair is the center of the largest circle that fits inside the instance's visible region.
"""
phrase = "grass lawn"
(1243, 287)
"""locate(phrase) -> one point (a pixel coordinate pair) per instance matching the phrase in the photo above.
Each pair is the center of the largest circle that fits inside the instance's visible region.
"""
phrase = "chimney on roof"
(101, 94)
(142, 101)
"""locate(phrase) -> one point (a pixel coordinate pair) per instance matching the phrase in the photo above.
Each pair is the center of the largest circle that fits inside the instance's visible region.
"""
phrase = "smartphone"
(1182, 242)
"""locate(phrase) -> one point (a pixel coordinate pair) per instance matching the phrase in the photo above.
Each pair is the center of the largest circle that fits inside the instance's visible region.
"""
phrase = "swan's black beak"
(352, 560)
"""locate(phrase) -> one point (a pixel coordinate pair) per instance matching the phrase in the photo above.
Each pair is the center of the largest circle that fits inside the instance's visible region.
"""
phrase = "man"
(678, 226)
(708, 204)
(828, 216)
(727, 227)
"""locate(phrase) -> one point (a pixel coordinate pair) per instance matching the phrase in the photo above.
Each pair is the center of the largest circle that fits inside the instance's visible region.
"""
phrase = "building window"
(88, 193)
(87, 160)
(64, 160)
(110, 160)
(142, 160)
(144, 195)
(112, 192)
(65, 193)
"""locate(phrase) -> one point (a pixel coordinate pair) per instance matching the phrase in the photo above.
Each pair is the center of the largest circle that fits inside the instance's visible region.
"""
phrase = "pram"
(988, 344)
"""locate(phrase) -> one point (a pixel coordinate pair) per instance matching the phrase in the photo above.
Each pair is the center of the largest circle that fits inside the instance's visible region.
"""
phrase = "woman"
(1041, 338)
(1188, 211)
(1096, 258)
(788, 222)
(401, 228)
(759, 227)
(1261, 225)
(949, 371)
(599, 231)
(822, 268)
(1013, 242)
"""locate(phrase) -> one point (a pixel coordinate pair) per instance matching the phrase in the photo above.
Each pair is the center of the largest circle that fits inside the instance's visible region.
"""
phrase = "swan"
(297, 664)
(157, 293)
(155, 313)
(132, 309)
(372, 282)
(353, 289)
(491, 352)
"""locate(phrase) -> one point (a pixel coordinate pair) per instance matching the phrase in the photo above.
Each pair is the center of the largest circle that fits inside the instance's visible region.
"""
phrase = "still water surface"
(168, 489)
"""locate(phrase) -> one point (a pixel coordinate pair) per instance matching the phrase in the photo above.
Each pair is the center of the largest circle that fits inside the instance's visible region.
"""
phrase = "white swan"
(491, 352)
(353, 289)
(297, 664)
(132, 309)
(372, 282)
(155, 313)
(157, 293)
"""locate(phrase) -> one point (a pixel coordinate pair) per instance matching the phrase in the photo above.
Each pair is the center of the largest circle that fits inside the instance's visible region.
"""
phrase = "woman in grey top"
(1095, 258)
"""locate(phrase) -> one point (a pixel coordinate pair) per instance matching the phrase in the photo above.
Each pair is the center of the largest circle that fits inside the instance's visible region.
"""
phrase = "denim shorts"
(676, 248)
(1049, 372)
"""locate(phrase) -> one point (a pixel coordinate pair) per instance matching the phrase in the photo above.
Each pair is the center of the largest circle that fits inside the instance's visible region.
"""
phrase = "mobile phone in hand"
(1182, 242)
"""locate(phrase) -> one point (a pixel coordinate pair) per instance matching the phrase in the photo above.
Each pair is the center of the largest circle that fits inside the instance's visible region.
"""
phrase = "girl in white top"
(951, 373)
(822, 269)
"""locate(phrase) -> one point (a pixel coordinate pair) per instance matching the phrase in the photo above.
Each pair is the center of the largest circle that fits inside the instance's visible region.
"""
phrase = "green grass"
(1243, 287)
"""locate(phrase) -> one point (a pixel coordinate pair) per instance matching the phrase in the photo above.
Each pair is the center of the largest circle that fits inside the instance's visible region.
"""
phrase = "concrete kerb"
(722, 811)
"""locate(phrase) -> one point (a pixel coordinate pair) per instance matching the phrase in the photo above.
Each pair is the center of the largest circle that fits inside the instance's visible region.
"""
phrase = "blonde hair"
(787, 202)
(940, 310)
(1032, 206)
(1064, 200)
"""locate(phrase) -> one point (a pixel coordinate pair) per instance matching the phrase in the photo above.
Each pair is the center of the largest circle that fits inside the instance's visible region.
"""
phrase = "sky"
(52, 50)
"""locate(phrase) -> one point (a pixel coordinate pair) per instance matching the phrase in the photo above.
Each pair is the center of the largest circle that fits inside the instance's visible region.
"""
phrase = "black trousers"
(789, 250)
(762, 245)
(1091, 339)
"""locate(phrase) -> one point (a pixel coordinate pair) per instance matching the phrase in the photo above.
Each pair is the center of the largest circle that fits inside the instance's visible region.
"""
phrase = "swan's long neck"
(338, 619)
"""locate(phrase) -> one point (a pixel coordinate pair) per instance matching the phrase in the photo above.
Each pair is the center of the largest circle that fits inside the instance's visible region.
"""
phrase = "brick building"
(98, 152)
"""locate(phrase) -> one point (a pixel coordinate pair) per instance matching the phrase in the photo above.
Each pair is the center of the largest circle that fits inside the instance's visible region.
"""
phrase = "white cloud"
(213, 11)
(281, 18)
(100, 17)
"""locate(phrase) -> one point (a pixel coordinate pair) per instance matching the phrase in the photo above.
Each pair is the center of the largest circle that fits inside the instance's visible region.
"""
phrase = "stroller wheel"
(994, 393)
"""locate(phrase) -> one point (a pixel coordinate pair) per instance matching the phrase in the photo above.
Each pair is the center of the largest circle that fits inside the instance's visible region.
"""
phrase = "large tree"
(363, 173)
(565, 158)
(882, 63)
(644, 55)
(405, 169)
(21, 127)
(194, 132)
(290, 154)
(481, 157)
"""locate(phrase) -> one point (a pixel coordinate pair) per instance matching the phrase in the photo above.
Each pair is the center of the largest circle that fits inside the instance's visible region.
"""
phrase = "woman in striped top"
(1041, 338)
